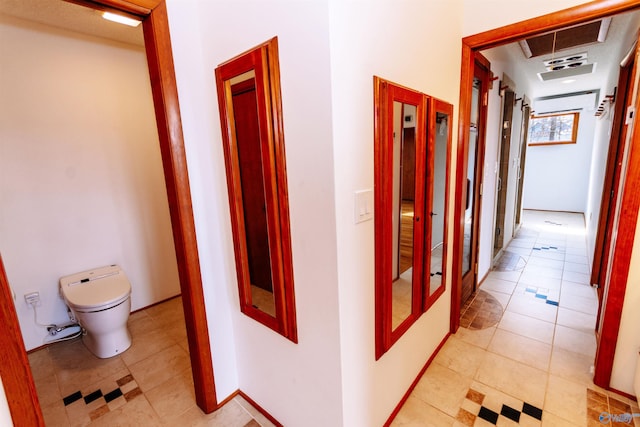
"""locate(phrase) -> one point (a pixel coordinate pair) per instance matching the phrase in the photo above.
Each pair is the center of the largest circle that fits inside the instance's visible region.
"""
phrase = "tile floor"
(150, 384)
(532, 364)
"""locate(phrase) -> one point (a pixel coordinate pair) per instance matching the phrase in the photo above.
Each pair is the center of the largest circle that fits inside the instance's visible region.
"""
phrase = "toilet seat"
(95, 290)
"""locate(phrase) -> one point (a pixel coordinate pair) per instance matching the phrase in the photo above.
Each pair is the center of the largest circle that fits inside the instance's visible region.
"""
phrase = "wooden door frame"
(630, 202)
(14, 367)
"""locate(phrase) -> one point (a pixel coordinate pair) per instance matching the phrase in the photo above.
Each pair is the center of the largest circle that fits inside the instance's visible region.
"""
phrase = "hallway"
(524, 352)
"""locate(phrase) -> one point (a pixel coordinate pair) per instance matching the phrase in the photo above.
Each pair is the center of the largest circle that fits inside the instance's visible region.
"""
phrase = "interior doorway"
(23, 404)
(492, 38)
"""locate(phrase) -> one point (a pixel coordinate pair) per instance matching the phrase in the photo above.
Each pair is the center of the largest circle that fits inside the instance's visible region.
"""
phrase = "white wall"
(5, 414)
(557, 176)
(290, 381)
(81, 181)
(415, 44)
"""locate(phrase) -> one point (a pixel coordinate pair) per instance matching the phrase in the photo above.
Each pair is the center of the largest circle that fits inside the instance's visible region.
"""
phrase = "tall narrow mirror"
(440, 117)
(400, 139)
(250, 112)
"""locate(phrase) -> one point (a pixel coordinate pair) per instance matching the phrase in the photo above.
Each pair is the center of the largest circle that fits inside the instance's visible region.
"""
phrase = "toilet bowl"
(100, 301)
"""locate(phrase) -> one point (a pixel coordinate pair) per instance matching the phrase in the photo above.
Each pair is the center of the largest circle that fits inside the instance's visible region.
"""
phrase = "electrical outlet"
(32, 298)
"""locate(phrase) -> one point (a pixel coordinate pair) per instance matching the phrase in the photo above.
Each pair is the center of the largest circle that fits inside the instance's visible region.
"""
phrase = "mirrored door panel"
(441, 114)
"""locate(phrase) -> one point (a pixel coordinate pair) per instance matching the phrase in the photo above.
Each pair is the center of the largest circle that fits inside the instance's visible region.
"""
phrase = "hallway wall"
(81, 180)
(290, 381)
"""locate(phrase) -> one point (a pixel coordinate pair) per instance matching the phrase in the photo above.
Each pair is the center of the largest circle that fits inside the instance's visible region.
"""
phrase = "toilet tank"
(95, 288)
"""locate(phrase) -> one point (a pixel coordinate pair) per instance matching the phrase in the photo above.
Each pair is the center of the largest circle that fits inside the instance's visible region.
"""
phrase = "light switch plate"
(363, 206)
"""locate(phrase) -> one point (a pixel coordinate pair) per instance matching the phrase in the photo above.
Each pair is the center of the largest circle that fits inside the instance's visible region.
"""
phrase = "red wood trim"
(136, 8)
(626, 234)
(553, 21)
(165, 97)
(464, 121)
(611, 184)
(415, 382)
(15, 372)
(260, 409)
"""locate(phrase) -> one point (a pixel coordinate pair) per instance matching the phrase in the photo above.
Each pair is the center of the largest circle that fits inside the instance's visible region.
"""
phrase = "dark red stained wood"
(553, 21)
(616, 285)
(610, 186)
(165, 97)
(14, 364)
(385, 93)
(464, 121)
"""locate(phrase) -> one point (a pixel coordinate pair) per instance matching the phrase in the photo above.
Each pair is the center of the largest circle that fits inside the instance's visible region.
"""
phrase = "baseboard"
(259, 408)
(415, 382)
(622, 393)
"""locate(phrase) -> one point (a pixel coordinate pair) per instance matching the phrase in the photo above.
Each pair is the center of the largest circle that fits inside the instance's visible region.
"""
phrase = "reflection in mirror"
(440, 143)
(468, 213)
(250, 112)
(404, 165)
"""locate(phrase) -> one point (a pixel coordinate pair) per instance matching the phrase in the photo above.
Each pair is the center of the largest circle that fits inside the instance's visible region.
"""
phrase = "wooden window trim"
(574, 130)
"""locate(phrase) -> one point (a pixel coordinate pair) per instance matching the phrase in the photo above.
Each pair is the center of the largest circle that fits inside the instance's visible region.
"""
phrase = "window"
(553, 129)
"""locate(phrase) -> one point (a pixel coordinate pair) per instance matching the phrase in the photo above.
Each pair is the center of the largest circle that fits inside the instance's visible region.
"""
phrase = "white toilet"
(100, 300)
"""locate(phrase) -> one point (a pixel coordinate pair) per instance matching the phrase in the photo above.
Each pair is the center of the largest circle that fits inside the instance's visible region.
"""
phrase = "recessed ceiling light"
(120, 19)
(568, 81)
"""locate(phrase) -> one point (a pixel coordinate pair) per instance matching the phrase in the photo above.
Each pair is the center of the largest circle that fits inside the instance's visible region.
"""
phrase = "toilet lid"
(95, 288)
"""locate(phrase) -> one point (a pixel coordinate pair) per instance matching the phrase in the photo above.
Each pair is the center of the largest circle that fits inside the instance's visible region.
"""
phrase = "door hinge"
(480, 192)
(475, 269)
(485, 99)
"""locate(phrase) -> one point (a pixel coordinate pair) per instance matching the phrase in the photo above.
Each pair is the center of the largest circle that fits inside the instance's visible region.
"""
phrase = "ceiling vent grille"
(570, 61)
(568, 38)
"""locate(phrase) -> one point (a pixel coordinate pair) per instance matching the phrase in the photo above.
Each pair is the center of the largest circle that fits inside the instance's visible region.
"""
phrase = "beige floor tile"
(576, 320)
(502, 298)
(76, 367)
(442, 388)
(415, 412)
(173, 397)
(160, 367)
(511, 276)
(480, 338)
(140, 323)
(513, 378)
(533, 307)
(460, 356)
(574, 340)
(230, 415)
(41, 364)
(55, 414)
(498, 285)
(567, 400)
(145, 345)
(548, 263)
(522, 349)
(531, 279)
(576, 289)
(527, 326)
(576, 277)
(47, 389)
(555, 255)
(532, 270)
(257, 415)
(572, 366)
(581, 304)
(135, 413)
(551, 420)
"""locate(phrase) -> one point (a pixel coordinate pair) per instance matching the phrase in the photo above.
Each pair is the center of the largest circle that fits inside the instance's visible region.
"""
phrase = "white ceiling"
(607, 55)
(69, 16)
(622, 32)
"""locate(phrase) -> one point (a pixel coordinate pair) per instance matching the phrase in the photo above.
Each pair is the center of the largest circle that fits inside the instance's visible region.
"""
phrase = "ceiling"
(606, 56)
(69, 16)
(602, 59)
